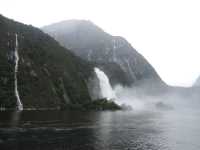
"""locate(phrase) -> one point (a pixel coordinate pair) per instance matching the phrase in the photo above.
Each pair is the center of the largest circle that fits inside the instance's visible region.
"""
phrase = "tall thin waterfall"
(106, 89)
(19, 104)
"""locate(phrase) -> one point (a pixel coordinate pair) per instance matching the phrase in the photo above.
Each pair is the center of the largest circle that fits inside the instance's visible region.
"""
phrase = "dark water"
(72, 130)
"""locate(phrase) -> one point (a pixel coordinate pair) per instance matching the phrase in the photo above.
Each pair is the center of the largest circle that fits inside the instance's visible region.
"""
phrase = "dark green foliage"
(102, 104)
(99, 104)
(47, 71)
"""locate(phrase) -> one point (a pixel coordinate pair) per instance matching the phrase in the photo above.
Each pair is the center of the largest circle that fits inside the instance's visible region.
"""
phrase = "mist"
(98, 75)
(147, 95)
(170, 99)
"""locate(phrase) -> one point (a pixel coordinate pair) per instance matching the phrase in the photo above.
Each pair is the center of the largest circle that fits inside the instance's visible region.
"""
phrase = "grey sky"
(166, 32)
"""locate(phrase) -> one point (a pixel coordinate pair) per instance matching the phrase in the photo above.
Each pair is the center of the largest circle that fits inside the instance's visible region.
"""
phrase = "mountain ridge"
(91, 43)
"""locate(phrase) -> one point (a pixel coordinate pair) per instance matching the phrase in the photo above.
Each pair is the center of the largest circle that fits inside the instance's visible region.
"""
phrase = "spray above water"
(106, 89)
(128, 97)
(109, 93)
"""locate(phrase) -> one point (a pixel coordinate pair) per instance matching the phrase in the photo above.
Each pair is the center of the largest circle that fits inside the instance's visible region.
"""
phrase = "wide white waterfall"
(19, 103)
(106, 89)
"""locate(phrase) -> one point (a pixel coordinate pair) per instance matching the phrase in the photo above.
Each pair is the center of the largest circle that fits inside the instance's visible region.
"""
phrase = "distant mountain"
(113, 54)
(197, 82)
(48, 75)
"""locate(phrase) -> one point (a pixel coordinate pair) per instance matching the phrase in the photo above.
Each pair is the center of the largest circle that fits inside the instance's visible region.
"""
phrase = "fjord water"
(117, 130)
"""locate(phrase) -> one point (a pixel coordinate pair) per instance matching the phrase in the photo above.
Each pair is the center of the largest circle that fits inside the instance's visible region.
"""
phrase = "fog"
(169, 99)
(149, 95)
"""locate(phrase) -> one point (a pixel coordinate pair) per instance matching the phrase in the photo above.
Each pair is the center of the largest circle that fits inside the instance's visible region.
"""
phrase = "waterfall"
(121, 95)
(19, 104)
(106, 89)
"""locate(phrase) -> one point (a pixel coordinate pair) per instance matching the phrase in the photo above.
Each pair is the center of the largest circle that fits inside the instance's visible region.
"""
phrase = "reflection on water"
(15, 118)
(59, 130)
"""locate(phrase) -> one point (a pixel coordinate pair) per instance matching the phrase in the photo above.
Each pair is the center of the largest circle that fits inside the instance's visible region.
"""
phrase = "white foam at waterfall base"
(127, 96)
(119, 94)
(106, 89)
(19, 104)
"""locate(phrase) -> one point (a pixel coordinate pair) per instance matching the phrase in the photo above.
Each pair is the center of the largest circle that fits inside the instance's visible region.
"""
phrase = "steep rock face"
(113, 54)
(49, 76)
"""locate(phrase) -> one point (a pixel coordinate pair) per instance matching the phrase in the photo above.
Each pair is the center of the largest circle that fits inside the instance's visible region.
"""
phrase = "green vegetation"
(49, 76)
(102, 104)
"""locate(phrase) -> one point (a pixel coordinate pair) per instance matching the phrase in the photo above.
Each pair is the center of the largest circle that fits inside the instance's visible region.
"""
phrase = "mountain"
(197, 82)
(113, 54)
(37, 72)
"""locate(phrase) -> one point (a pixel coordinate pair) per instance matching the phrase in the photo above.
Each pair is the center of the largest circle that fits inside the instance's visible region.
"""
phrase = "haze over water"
(167, 35)
(155, 123)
